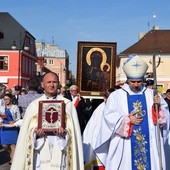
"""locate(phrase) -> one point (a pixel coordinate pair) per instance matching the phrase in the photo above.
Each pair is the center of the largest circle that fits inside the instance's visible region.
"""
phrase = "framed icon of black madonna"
(96, 65)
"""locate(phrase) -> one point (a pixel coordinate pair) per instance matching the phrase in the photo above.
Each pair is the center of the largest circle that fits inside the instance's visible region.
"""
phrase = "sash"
(140, 146)
(76, 101)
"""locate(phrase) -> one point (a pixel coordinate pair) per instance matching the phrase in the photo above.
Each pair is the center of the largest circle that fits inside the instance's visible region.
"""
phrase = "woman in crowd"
(9, 114)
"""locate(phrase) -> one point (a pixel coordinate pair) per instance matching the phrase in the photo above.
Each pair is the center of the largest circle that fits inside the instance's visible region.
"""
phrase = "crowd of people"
(13, 104)
(129, 129)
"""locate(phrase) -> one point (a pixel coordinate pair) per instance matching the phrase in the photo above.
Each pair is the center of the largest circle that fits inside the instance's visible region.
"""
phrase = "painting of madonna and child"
(96, 67)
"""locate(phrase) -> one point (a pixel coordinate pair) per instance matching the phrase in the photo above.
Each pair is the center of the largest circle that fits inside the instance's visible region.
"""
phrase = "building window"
(32, 46)
(33, 68)
(51, 62)
(3, 62)
(26, 66)
(45, 61)
(29, 66)
(23, 65)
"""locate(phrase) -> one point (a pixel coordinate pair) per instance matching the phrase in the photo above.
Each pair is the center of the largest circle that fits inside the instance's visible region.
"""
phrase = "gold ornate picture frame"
(96, 63)
(51, 115)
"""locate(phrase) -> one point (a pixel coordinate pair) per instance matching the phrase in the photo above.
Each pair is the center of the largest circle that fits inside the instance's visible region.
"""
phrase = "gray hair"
(73, 87)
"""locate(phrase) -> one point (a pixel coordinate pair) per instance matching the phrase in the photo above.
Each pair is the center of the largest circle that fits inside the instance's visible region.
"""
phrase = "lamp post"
(62, 72)
(19, 67)
(19, 48)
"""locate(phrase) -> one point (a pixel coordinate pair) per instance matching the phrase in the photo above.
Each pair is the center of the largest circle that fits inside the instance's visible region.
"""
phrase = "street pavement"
(4, 159)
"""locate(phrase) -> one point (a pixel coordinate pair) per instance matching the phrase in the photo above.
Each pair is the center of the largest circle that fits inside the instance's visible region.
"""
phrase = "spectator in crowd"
(167, 98)
(16, 94)
(5, 91)
(128, 137)
(9, 114)
(8, 91)
(80, 106)
(150, 83)
(23, 91)
(167, 143)
(95, 103)
(90, 135)
(58, 90)
(39, 149)
(2, 89)
(25, 99)
(1, 101)
(63, 91)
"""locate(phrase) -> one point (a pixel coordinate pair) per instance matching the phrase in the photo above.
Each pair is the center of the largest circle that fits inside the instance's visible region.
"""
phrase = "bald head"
(47, 73)
(50, 84)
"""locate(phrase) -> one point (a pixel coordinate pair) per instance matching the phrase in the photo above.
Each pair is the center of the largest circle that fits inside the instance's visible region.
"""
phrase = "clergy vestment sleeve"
(125, 128)
(161, 117)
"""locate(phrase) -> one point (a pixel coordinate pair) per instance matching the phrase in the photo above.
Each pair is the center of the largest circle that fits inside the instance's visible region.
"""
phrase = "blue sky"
(70, 21)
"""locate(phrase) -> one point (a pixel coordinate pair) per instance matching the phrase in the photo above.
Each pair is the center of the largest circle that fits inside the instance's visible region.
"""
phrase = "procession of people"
(128, 130)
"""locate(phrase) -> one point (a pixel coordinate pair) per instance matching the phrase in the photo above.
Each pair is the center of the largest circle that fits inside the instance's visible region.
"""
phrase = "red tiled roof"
(155, 41)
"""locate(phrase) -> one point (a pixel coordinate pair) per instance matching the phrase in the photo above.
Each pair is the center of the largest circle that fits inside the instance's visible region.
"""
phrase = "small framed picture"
(51, 115)
(96, 64)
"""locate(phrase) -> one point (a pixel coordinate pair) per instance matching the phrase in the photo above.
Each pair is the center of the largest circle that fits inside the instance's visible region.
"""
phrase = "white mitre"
(135, 67)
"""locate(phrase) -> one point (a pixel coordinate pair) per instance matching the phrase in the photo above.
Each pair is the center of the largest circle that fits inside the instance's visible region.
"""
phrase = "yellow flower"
(140, 167)
(139, 137)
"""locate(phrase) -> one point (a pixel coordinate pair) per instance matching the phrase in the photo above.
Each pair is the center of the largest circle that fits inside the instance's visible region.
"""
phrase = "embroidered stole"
(140, 146)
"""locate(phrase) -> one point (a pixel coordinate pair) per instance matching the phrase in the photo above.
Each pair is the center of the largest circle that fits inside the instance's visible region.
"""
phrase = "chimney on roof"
(141, 34)
(155, 27)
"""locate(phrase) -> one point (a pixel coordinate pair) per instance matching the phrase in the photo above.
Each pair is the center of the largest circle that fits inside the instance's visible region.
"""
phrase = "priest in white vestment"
(90, 134)
(89, 138)
(132, 133)
(38, 150)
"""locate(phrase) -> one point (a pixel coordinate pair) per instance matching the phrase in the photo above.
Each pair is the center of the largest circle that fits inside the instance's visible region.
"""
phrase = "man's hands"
(40, 132)
(135, 119)
(59, 132)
